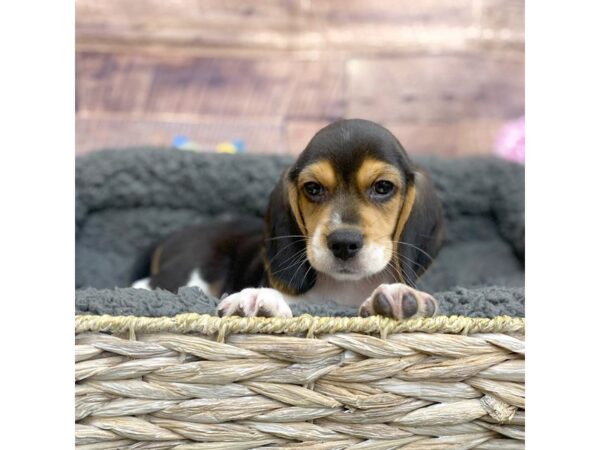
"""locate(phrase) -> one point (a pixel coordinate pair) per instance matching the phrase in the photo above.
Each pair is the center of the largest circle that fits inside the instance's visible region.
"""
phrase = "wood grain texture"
(198, 25)
(434, 88)
(272, 73)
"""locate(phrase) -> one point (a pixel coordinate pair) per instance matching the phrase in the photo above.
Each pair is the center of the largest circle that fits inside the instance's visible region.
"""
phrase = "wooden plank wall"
(441, 74)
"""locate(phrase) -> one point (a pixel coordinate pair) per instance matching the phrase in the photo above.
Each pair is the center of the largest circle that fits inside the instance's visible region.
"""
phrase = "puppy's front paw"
(398, 301)
(255, 302)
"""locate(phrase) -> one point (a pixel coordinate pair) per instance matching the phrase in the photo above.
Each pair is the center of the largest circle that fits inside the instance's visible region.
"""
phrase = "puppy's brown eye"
(382, 189)
(314, 191)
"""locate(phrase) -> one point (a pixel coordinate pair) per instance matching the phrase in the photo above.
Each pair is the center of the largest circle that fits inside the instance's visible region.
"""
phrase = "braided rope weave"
(202, 382)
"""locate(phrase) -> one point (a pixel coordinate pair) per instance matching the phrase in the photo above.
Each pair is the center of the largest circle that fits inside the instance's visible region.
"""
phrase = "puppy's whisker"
(303, 238)
(305, 274)
(302, 249)
(395, 275)
(410, 282)
(297, 269)
(291, 257)
(405, 243)
(402, 275)
(387, 270)
(408, 244)
(295, 258)
(415, 247)
(292, 264)
(281, 250)
(406, 258)
(406, 277)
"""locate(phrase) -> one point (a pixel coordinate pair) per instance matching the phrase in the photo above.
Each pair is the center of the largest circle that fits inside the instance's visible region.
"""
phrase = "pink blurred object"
(510, 143)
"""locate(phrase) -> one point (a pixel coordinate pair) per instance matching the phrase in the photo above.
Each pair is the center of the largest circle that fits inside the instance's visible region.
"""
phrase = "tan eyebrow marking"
(321, 172)
(371, 170)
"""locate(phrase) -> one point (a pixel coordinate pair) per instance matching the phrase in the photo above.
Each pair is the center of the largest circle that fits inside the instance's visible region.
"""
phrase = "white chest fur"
(350, 293)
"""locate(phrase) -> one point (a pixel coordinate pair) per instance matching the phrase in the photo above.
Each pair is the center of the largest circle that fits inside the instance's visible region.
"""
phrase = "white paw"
(255, 302)
(398, 301)
(142, 284)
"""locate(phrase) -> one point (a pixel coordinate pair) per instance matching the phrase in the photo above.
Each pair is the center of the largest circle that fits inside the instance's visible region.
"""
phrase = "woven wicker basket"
(201, 382)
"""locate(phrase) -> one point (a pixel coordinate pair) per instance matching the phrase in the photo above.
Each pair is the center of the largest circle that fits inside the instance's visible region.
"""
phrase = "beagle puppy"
(353, 221)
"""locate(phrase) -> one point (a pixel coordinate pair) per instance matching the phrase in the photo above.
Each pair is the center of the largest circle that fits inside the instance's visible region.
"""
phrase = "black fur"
(226, 251)
(423, 232)
(285, 248)
(358, 139)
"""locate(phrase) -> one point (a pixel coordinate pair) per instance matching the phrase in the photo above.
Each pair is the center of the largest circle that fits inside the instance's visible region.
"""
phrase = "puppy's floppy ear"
(286, 263)
(420, 229)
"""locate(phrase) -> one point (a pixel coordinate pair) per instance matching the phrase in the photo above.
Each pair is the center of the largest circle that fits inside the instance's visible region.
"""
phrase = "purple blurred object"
(510, 143)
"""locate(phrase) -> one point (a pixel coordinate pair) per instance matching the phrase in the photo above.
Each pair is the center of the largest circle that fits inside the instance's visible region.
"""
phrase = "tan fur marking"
(312, 213)
(321, 172)
(409, 200)
(155, 261)
(372, 170)
(294, 202)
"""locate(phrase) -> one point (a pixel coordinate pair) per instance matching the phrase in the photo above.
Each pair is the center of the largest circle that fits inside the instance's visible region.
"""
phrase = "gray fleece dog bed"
(128, 200)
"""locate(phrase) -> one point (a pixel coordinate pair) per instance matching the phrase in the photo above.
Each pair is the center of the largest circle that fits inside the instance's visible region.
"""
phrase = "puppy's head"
(352, 206)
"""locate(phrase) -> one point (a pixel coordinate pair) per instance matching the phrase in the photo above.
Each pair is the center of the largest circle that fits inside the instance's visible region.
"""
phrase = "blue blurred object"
(179, 141)
(183, 143)
(239, 145)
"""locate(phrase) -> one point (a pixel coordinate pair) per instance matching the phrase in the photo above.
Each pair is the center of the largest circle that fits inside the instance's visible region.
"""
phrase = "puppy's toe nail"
(262, 311)
(382, 306)
(362, 312)
(239, 311)
(430, 307)
(222, 308)
(409, 305)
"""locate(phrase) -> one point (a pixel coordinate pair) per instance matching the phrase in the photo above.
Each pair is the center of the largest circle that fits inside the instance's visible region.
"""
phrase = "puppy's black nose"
(345, 243)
